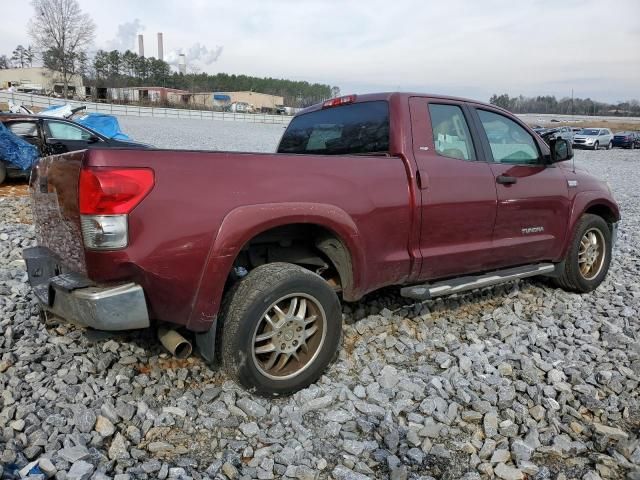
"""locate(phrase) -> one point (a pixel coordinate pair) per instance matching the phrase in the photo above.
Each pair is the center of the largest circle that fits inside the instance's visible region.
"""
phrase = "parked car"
(555, 132)
(240, 107)
(52, 136)
(593, 138)
(626, 140)
(252, 252)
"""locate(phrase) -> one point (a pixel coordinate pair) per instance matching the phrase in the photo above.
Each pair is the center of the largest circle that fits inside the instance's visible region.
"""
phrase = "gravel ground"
(517, 381)
(203, 134)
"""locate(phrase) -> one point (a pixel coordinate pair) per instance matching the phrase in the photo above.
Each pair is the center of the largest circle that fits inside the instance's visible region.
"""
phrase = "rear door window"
(451, 135)
(23, 129)
(358, 128)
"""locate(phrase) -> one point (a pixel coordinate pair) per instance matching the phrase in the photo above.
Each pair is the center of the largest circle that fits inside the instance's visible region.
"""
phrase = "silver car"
(593, 138)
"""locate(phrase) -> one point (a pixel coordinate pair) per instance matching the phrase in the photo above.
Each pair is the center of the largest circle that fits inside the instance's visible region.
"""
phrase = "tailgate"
(54, 194)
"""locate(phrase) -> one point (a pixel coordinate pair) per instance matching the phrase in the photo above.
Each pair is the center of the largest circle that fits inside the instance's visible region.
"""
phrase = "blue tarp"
(102, 123)
(107, 125)
(15, 150)
(221, 97)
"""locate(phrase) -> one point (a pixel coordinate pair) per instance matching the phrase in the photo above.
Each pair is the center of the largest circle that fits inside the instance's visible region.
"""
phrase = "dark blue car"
(626, 140)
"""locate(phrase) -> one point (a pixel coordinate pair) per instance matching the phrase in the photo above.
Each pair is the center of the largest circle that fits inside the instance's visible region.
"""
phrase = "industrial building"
(260, 102)
(255, 102)
(161, 95)
(40, 80)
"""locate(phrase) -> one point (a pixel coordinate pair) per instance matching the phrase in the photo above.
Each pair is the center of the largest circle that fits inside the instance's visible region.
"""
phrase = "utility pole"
(572, 104)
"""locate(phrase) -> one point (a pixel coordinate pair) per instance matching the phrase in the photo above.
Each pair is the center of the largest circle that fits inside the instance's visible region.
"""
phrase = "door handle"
(506, 180)
(422, 179)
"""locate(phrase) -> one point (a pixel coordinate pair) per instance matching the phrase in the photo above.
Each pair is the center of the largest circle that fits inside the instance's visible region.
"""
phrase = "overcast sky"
(458, 47)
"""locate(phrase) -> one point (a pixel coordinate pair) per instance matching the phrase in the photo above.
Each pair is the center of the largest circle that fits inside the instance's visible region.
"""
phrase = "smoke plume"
(197, 53)
(126, 36)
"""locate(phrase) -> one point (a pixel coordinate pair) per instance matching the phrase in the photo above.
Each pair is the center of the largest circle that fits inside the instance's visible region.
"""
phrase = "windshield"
(589, 131)
(349, 129)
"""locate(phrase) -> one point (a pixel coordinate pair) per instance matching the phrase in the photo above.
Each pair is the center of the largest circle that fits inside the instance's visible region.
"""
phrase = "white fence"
(545, 118)
(30, 100)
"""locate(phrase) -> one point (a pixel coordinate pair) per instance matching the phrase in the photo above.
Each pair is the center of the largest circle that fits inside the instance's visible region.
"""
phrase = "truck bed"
(204, 206)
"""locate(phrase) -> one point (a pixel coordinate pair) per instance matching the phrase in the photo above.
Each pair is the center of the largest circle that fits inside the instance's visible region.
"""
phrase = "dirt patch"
(14, 188)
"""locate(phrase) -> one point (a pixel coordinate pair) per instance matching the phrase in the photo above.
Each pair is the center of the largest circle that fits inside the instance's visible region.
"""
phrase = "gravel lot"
(204, 134)
(517, 381)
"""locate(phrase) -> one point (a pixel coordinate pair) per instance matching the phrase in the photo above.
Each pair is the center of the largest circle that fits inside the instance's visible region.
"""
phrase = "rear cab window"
(358, 128)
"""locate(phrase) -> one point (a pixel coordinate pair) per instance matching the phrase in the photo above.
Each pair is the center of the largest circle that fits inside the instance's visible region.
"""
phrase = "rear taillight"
(106, 196)
(112, 191)
(335, 102)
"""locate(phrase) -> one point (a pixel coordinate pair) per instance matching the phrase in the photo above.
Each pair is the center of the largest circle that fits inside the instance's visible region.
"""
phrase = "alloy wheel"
(289, 336)
(591, 253)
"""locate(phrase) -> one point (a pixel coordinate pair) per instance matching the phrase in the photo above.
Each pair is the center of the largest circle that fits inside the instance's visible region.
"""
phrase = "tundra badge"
(530, 230)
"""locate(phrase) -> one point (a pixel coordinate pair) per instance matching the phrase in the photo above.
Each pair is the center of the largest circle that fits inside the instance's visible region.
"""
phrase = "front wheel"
(281, 328)
(596, 146)
(587, 262)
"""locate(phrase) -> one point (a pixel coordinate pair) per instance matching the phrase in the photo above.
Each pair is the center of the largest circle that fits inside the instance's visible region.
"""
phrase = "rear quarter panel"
(176, 251)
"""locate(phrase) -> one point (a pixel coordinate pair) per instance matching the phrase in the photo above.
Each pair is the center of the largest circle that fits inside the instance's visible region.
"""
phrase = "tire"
(596, 146)
(250, 312)
(573, 278)
(609, 145)
(3, 173)
(633, 146)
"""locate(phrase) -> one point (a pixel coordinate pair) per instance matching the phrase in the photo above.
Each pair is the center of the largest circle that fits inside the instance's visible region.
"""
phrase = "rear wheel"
(282, 327)
(587, 262)
(610, 144)
(3, 173)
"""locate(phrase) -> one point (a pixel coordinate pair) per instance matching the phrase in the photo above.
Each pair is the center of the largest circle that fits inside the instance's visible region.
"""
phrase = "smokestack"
(141, 45)
(160, 48)
(182, 63)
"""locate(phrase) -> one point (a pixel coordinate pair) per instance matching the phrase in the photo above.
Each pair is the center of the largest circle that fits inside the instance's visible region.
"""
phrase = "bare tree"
(19, 56)
(62, 33)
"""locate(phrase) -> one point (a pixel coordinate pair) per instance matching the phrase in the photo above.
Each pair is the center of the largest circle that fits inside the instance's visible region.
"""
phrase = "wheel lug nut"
(283, 346)
(295, 342)
(298, 329)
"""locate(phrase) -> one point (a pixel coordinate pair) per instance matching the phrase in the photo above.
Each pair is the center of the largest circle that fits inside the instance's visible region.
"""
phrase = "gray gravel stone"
(74, 454)
(80, 470)
(486, 383)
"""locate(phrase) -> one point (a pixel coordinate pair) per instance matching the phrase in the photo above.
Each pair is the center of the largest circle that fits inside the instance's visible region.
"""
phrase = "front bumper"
(77, 299)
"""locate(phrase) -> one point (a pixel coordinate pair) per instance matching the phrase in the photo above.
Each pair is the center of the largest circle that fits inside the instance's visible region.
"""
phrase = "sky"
(455, 47)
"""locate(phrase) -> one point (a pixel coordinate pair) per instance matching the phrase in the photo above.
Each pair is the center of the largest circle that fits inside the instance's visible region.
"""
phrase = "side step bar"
(462, 284)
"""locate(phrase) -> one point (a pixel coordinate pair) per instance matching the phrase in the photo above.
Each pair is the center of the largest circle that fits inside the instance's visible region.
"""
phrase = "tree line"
(20, 58)
(128, 69)
(565, 105)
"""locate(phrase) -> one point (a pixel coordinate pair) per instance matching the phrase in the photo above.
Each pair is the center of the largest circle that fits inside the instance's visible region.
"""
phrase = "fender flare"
(582, 202)
(243, 223)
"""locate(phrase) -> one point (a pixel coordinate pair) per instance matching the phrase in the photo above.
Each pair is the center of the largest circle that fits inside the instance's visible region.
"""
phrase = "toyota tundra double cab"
(251, 253)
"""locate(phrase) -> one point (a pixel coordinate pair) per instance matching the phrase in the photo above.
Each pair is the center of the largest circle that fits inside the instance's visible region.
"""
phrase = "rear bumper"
(77, 299)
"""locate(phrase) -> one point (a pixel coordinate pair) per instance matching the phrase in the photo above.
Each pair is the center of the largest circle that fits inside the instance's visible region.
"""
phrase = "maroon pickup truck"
(250, 253)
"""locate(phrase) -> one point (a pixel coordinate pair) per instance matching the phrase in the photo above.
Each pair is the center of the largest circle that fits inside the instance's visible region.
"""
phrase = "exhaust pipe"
(175, 343)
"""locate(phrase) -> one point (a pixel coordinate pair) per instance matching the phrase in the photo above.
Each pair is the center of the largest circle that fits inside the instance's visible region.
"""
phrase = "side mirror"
(93, 139)
(561, 150)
